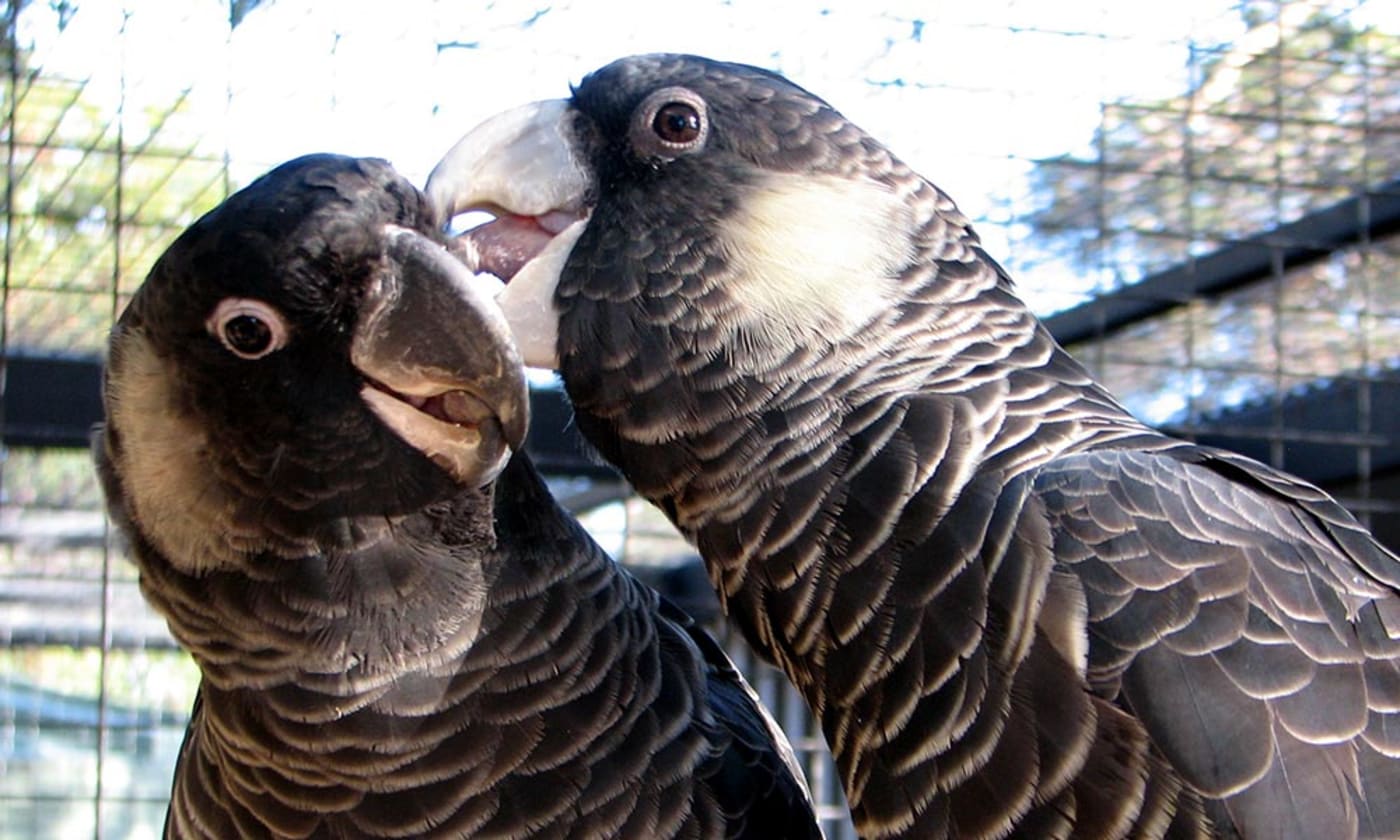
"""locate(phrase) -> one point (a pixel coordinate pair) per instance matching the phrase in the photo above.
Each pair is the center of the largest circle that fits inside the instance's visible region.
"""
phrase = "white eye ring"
(248, 328)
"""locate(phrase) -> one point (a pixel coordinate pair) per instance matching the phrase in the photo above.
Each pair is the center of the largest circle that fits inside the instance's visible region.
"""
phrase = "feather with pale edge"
(1015, 609)
(311, 425)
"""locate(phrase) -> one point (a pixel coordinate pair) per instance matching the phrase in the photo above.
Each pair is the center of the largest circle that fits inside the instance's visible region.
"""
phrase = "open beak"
(520, 166)
(439, 363)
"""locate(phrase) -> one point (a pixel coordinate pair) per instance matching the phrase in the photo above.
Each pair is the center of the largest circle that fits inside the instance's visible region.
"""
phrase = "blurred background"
(1200, 197)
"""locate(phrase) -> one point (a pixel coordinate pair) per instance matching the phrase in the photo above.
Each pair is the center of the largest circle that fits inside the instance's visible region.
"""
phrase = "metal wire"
(1097, 150)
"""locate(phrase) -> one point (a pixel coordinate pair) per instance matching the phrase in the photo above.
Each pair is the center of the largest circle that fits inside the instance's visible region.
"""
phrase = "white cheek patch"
(815, 259)
(170, 492)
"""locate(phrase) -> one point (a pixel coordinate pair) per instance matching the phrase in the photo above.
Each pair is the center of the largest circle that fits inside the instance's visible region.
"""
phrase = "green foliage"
(1276, 126)
(162, 680)
(1295, 115)
(51, 479)
(95, 194)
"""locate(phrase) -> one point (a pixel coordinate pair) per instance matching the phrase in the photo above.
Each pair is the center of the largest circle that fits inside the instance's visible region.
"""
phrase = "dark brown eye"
(249, 329)
(678, 123)
(247, 335)
(669, 123)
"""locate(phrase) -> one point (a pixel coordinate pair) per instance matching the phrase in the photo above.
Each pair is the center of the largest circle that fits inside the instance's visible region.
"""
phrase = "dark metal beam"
(50, 401)
(56, 401)
(1319, 430)
(1367, 217)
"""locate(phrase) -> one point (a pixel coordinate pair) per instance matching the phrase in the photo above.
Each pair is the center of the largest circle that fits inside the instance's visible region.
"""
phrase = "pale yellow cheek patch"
(815, 259)
(171, 494)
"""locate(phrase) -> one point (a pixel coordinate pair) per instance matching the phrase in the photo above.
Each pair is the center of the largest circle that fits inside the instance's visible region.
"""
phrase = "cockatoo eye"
(249, 329)
(678, 123)
(669, 123)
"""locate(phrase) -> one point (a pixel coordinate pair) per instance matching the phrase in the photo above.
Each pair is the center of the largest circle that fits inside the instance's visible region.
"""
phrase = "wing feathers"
(1214, 734)
(1249, 618)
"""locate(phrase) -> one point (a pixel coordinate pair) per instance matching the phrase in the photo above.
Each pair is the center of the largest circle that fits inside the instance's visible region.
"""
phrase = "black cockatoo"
(311, 443)
(1015, 609)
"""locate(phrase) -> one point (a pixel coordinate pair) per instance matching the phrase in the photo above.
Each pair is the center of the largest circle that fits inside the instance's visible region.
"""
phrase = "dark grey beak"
(443, 371)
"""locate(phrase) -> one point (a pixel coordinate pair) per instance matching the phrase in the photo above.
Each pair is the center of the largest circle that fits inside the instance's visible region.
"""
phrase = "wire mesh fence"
(1199, 196)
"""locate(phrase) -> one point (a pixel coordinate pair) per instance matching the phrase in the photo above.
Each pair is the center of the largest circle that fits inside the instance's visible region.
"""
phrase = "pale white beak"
(521, 162)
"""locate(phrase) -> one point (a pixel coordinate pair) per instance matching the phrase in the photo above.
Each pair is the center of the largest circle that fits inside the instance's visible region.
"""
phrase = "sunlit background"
(1201, 196)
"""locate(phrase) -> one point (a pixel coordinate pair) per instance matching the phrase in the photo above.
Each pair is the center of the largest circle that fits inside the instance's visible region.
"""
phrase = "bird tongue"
(456, 407)
(503, 245)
